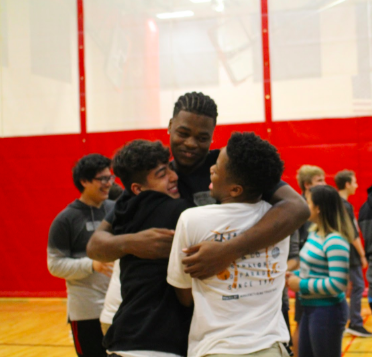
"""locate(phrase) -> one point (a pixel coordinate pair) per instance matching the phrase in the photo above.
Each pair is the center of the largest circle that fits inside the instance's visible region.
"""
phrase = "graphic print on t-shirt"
(250, 272)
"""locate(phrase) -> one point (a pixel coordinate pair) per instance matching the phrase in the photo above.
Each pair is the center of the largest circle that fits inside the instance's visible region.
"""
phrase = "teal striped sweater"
(324, 270)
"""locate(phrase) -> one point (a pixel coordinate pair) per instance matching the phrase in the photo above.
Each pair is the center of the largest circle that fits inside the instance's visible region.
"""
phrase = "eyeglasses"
(105, 179)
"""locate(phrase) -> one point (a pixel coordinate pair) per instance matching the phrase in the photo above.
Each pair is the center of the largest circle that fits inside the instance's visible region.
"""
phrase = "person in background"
(323, 275)
(292, 264)
(307, 176)
(347, 184)
(365, 224)
(86, 279)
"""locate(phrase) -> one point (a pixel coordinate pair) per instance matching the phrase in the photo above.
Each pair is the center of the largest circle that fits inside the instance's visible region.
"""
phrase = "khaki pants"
(104, 328)
(276, 350)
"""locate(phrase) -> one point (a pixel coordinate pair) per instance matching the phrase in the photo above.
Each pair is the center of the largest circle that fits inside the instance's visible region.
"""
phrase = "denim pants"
(321, 330)
(357, 289)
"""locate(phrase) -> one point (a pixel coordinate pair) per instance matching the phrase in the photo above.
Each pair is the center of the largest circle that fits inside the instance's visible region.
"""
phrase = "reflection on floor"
(38, 327)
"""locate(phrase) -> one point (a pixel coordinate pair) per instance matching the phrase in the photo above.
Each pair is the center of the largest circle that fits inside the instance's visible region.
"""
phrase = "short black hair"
(197, 103)
(253, 163)
(342, 177)
(135, 159)
(88, 167)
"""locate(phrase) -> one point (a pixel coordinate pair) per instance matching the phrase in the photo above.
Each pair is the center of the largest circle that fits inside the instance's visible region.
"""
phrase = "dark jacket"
(365, 223)
(150, 316)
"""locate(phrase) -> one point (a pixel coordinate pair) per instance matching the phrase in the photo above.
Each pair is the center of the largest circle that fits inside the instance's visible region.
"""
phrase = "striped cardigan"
(324, 270)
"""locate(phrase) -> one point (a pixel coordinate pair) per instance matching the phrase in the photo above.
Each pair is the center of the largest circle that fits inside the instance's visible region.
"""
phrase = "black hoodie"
(365, 223)
(150, 316)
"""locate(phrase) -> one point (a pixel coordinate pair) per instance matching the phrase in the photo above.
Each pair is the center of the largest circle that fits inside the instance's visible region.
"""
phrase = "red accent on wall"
(266, 64)
(81, 53)
(37, 184)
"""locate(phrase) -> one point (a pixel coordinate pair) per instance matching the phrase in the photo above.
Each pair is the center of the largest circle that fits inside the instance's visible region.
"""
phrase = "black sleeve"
(110, 215)
(269, 194)
(350, 211)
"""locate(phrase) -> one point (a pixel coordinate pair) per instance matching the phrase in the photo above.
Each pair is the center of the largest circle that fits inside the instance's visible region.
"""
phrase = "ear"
(84, 182)
(170, 124)
(307, 185)
(136, 188)
(236, 190)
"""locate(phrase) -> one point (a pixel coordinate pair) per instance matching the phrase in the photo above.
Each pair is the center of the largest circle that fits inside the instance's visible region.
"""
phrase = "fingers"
(163, 231)
(190, 259)
(191, 250)
(196, 272)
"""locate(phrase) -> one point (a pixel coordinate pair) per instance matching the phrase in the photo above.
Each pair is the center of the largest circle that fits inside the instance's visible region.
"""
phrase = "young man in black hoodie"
(86, 279)
(150, 320)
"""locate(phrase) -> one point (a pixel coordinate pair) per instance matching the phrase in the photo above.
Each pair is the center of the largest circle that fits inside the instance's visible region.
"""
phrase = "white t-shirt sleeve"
(176, 275)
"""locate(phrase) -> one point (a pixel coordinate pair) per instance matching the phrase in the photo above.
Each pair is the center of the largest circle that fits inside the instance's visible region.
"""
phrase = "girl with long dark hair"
(323, 275)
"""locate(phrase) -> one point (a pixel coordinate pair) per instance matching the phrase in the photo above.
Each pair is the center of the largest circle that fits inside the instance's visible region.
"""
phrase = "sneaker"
(358, 331)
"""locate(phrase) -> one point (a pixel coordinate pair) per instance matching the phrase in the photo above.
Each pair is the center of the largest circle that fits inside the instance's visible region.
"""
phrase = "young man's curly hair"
(134, 160)
(253, 163)
(197, 103)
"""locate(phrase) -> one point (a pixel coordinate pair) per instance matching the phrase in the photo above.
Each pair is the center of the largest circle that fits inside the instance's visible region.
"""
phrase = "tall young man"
(191, 130)
(86, 279)
(150, 320)
(238, 311)
(347, 184)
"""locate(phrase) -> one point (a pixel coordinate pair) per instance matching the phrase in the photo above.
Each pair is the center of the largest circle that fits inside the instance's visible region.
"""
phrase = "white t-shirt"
(113, 296)
(238, 311)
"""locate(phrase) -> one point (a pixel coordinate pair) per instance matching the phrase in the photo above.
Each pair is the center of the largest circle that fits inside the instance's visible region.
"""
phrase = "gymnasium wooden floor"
(37, 327)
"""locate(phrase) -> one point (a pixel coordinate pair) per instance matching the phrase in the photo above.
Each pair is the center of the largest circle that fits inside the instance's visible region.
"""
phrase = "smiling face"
(95, 192)
(190, 139)
(161, 179)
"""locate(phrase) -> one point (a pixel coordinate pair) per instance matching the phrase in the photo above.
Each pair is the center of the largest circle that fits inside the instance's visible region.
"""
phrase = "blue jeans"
(357, 288)
(321, 330)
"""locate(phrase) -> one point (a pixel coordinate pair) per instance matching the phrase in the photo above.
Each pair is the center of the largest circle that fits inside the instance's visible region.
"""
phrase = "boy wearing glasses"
(86, 279)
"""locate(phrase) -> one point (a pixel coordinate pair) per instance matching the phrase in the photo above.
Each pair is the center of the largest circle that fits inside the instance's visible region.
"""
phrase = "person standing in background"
(323, 275)
(347, 184)
(307, 176)
(365, 224)
(86, 279)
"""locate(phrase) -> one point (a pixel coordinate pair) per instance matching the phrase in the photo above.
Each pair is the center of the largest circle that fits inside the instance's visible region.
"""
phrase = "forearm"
(154, 243)
(327, 286)
(293, 264)
(68, 268)
(357, 243)
(184, 296)
(106, 247)
(278, 223)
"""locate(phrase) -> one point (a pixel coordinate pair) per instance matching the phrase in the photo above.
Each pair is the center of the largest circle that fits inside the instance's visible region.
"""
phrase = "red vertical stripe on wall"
(81, 50)
(266, 64)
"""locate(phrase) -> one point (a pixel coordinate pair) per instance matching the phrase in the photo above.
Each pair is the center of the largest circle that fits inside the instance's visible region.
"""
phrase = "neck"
(187, 169)
(240, 200)
(89, 201)
(344, 194)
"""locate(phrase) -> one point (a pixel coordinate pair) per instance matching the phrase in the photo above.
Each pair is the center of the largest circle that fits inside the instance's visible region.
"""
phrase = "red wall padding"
(36, 182)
